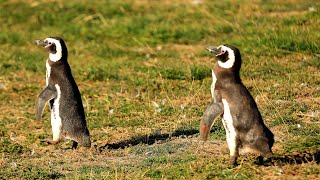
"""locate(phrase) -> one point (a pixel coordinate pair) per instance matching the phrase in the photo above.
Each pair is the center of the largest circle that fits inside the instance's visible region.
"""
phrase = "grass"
(144, 76)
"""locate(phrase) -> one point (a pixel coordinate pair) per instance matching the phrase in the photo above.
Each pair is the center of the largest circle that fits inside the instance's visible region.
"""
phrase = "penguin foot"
(74, 145)
(265, 161)
(233, 161)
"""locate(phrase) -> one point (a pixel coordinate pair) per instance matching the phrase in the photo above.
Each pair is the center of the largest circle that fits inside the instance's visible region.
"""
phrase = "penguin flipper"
(46, 94)
(214, 110)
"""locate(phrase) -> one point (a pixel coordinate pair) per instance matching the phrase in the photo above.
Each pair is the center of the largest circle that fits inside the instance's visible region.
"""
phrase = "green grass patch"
(6, 146)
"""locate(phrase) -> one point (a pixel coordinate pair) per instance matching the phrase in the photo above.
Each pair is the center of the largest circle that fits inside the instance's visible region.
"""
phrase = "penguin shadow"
(304, 157)
(149, 139)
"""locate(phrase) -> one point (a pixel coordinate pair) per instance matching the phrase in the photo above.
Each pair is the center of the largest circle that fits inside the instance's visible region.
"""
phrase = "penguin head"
(56, 47)
(228, 56)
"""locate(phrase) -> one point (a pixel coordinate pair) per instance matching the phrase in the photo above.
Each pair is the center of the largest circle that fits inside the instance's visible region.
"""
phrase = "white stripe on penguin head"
(231, 58)
(57, 56)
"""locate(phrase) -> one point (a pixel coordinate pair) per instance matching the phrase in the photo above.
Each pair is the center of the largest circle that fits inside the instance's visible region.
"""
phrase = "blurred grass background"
(142, 69)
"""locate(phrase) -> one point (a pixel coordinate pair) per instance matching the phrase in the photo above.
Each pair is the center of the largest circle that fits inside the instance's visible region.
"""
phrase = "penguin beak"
(40, 43)
(214, 50)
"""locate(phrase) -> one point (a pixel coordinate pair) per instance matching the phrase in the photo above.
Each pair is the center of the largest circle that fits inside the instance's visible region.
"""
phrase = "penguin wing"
(214, 110)
(48, 93)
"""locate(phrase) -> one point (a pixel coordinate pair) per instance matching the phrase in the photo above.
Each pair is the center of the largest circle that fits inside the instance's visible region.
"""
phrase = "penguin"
(61, 91)
(245, 129)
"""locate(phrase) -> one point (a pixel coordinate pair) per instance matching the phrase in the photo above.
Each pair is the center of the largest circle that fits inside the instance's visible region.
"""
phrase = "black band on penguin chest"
(59, 72)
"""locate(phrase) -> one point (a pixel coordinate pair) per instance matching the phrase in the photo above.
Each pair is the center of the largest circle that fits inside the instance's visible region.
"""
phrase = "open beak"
(41, 43)
(214, 50)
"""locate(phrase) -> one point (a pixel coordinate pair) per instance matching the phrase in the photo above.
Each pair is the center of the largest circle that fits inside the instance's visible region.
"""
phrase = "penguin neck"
(60, 61)
(55, 56)
(224, 74)
(59, 66)
(59, 55)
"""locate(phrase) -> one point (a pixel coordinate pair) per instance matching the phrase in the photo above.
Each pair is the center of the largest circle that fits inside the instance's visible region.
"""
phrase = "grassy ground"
(144, 75)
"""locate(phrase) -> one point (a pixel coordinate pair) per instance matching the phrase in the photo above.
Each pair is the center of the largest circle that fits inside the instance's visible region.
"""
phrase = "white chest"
(48, 72)
(230, 130)
(213, 84)
(55, 113)
(227, 119)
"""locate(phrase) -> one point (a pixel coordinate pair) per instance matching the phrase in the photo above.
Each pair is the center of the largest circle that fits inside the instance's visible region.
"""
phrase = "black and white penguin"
(67, 114)
(245, 129)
